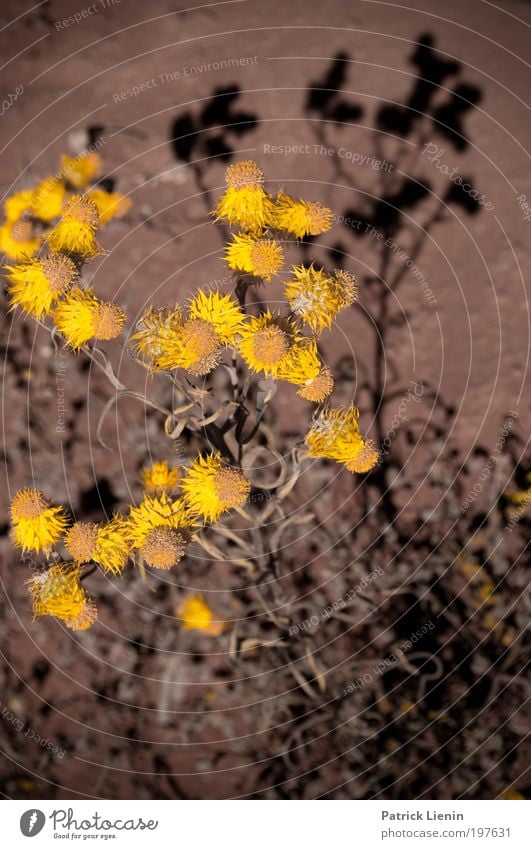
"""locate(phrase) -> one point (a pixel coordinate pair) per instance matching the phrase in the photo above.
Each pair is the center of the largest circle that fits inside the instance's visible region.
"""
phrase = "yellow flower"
(79, 171)
(317, 388)
(16, 205)
(36, 525)
(221, 311)
(335, 434)
(301, 363)
(106, 544)
(265, 342)
(110, 204)
(300, 217)
(81, 316)
(58, 592)
(261, 257)
(159, 478)
(47, 199)
(195, 347)
(210, 488)
(85, 619)
(154, 329)
(317, 297)
(196, 615)
(17, 240)
(245, 201)
(75, 232)
(37, 284)
(159, 528)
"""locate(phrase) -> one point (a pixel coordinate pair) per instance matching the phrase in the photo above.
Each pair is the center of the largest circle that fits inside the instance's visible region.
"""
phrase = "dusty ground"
(137, 708)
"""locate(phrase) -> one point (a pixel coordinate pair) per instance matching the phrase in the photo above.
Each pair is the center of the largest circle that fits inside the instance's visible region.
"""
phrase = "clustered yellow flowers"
(61, 226)
(30, 212)
(176, 504)
(335, 434)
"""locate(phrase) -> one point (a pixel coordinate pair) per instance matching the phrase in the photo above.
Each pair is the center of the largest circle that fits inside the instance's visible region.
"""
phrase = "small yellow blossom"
(58, 592)
(196, 615)
(159, 478)
(18, 240)
(317, 297)
(245, 202)
(160, 528)
(85, 618)
(318, 388)
(36, 525)
(261, 257)
(110, 204)
(210, 488)
(221, 311)
(300, 217)
(106, 544)
(196, 347)
(266, 341)
(79, 171)
(154, 330)
(48, 199)
(335, 434)
(76, 231)
(37, 284)
(80, 316)
(16, 205)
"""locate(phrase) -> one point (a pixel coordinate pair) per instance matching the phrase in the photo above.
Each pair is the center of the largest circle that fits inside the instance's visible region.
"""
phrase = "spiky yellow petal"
(318, 388)
(36, 525)
(159, 478)
(335, 434)
(318, 297)
(196, 615)
(300, 217)
(265, 341)
(261, 257)
(154, 330)
(81, 316)
(221, 311)
(210, 488)
(106, 544)
(36, 285)
(85, 619)
(301, 363)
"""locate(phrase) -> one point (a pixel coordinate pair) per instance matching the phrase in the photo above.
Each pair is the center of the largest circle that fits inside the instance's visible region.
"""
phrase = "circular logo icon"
(32, 822)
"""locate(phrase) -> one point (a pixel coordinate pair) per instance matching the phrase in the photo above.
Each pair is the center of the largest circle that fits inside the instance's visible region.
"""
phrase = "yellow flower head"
(196, 615)
(196, 347)
(265, 342)
(80, 316)
(58, 592)
(210, 488)
(317, 388)
(47, 199)
(317, 297)
(159, 528)
(79, 171)
(300, 217)
(110, 204)
(16, 205)
(36, 525)
(245, 201)
(221, 311)
(159, 478)
(261, 257)
(154, 330)
(85, 619)
(37, 284)
(106, 544)
(75, 232)
(18, 241)
(335, 434)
